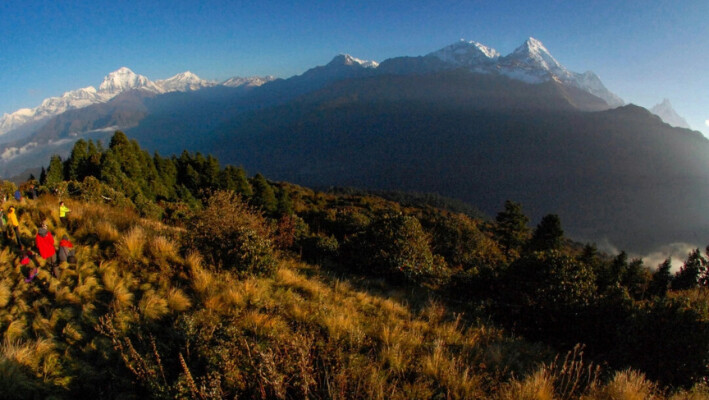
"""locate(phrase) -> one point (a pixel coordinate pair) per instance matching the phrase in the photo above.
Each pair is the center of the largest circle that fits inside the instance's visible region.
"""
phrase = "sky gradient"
(642, 51)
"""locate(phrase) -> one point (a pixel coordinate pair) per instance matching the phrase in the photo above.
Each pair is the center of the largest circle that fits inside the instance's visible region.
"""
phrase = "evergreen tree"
(43, 176)
(263, 197)
(167, 173)
(548, 235)
(92, 167)
(75, 165)
(688, 276)
(661, 279)
(55, 172)
(511, 230)
(636, 278)
(238, 176)
(285, 205)
(211, 172)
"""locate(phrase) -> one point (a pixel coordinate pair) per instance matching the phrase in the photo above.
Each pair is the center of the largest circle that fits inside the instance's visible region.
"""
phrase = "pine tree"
(263, 197)
(661, 279)
(511, 229)
(43, 176)
(55, 172)
(285, 205)
(75, 165)
(693, 269)
(548, 235)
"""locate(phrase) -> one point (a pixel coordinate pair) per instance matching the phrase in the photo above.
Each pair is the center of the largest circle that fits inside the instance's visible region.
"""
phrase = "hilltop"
(202, 282)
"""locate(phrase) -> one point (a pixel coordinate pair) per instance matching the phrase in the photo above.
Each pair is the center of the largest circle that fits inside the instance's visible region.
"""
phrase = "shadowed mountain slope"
(621, 175)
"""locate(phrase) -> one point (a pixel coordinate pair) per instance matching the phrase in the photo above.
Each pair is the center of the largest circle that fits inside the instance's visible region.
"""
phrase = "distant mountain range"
(115, 83)
(462, 121)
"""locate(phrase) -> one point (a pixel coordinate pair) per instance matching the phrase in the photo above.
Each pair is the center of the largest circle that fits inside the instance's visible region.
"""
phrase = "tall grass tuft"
(178, 301)
(163, 249)
(106, 231)
(16, 330)
(5, 294)
(625, 385)
(538, 386)
(152, 306)
(202, 281)
(131, 245)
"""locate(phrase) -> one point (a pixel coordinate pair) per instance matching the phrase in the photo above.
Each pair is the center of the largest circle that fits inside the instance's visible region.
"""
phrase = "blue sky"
(643, 51)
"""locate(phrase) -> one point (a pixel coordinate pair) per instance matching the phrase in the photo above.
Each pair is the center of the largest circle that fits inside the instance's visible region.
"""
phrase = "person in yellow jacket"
(62, 212)
(14, 224)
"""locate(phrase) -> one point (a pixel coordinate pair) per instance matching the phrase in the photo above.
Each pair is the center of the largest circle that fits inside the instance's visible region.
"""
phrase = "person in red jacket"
(45, 246)
(66, 250)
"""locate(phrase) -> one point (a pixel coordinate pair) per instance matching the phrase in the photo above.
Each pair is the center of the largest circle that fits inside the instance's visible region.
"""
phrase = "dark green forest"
(197, 280)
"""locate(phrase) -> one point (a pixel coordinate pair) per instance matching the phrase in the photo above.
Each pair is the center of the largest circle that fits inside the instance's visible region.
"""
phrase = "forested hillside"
(194, 280)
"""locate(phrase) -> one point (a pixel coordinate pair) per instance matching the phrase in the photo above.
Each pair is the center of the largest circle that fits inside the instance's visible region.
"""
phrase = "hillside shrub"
(231, 235)
(394, 246)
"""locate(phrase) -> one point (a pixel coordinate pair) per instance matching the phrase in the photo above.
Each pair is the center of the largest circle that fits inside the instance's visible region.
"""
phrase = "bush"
(394, 246)
(231, 235)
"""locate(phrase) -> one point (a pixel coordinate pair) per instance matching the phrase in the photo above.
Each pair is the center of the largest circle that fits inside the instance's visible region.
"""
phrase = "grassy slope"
(136, 309)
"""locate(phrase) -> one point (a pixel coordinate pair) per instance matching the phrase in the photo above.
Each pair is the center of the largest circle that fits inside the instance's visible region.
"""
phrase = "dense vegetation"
(196, 281)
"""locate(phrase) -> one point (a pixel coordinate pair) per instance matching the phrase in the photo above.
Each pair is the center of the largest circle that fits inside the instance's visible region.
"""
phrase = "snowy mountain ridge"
(113, 84)
(531, 62)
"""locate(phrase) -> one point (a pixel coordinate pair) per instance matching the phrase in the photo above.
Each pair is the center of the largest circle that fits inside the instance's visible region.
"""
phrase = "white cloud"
(706, 122)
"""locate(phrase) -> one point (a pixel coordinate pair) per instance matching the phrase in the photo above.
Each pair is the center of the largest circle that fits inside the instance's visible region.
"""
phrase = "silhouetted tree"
(511, 228)
(690, 273)
(661, 279)
(548, 235)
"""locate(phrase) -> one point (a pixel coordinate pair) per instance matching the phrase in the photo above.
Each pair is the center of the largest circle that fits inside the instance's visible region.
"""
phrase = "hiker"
(14, 224)
(25, 262)
(45, 246)
(66, 250)
(62, 212)
(18, 195)
(32, 193)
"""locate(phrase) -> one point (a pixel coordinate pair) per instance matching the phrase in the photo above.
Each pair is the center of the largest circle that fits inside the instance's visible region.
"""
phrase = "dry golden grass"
(131, 245)
(178, 301)
(106, 231)
(5, 293)
(163, 249)
(699, 392)
(30, 354)
(16, 330)
(538, 386)
(6, 256)
(153, 306)
(72, 332)
(203, 282)
(625, 385)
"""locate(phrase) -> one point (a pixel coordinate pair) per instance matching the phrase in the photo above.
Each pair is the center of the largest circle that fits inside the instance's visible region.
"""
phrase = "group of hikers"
(44, 242)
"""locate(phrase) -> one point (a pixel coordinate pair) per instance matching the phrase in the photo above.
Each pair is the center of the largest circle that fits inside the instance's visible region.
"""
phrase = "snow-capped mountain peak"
(668, 114)
(124, 79)
(183, 82)
(531, 62)
(533, 55)
(346, 59)
(467, 54)
(251, 81)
